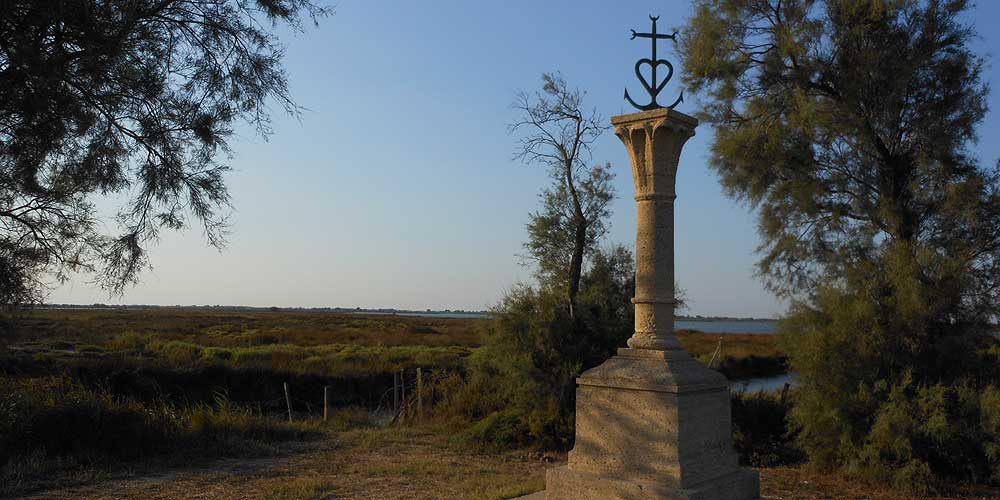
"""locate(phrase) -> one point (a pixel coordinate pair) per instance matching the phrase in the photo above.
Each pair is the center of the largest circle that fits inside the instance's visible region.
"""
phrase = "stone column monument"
(653, 422)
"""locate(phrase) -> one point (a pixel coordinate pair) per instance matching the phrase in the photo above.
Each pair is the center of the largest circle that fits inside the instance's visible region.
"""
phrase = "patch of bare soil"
(418, 464)
(206, 480)
(404, 464)
(794, 483)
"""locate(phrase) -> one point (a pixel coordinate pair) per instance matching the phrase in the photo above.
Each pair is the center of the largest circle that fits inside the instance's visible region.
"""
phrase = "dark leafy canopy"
(847, 124)
(137, 97)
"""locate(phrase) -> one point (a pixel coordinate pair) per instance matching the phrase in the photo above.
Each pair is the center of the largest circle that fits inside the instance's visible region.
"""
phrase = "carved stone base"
(652, 424)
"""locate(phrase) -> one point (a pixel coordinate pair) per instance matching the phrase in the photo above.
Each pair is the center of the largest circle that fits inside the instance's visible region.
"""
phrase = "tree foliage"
(846, 124)
(552, 230)
(125, 98)
(521, 386)
(558, 133)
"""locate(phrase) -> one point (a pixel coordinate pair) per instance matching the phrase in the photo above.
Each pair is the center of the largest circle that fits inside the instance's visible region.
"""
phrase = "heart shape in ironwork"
(653, 91)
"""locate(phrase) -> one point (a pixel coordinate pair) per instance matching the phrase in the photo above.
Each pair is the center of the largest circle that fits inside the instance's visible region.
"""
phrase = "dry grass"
(408, 463)
(371, 464)
(323, 344)
(794, 483)
(114, 329)
(735, 345)
(239, 329)
(227, 328)
(743, 355)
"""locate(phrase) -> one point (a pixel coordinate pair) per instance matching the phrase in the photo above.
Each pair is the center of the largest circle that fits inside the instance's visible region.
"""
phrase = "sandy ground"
(412, 465)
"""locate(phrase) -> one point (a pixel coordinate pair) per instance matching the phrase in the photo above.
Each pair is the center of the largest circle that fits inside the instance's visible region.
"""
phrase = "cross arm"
(659, 36)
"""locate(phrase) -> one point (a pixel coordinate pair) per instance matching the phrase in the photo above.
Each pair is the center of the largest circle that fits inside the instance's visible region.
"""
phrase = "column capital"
(662, 114)
(654, 140)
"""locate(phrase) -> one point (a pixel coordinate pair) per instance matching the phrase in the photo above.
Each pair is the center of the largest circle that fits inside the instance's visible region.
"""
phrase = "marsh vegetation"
(94, 389)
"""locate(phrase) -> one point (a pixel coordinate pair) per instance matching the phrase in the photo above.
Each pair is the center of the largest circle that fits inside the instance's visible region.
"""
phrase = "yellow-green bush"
(177, 353)
(212, 354)
(130, 342)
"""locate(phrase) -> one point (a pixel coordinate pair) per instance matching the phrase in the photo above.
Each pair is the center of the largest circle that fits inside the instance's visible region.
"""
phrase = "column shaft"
(654, 274)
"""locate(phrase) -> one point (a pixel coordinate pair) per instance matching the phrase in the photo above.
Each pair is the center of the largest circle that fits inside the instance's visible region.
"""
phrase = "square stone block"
(652, 424)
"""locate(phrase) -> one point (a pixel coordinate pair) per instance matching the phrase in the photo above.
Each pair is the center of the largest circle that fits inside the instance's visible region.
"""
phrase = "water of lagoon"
(731, 326)
(765, 384)
(706, 326)
(765, 327)
(419, 314)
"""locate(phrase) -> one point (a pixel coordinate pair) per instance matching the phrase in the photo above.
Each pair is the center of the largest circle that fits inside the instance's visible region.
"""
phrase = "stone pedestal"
(652, 422)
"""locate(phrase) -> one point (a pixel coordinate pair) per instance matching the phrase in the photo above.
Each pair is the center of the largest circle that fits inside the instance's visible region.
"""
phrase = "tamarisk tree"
(130, 98)
(557, 132)
(847, 125)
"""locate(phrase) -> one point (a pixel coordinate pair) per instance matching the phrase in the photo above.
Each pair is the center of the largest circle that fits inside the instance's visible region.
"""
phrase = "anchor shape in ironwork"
(652, 87)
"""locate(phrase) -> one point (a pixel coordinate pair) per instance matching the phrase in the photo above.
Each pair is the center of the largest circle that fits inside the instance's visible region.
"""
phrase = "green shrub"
(926, 432)
(499, 431)
(177, 353)
(422, 329)
(217, 354)
(315, 364)
(227, 429)
(752, 366)
(55, 423)
(760, 430)
(247, 357)
(59, 345)
(59, 417)
(90, 349)
(521, 386)
(887, 393)
(129, 342)
(257, 338)
(349, 418)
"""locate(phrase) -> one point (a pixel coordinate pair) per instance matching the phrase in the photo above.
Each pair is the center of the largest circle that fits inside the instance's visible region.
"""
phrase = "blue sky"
(396, 187)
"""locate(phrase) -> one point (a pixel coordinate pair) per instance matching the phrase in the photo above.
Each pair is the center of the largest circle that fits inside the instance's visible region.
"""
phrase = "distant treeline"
(217, 307)
(354, 310)
(720, 318)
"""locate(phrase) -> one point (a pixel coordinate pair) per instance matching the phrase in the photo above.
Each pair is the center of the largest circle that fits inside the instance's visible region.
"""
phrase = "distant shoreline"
(720, 318)
(356, 310)
(346, 310)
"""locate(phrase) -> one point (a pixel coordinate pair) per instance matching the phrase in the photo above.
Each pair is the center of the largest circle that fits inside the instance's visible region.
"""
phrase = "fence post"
(717, 353)
(420, 395)
(395, 395)
(288, 402)
(402, 392)
(326, 402)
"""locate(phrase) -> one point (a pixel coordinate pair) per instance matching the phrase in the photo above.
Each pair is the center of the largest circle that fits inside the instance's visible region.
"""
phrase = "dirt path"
(793, 483)
(413, 464)
(210, 481)
(404, 464)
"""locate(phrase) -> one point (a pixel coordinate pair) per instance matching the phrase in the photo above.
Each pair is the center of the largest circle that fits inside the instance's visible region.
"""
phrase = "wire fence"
(412, 398)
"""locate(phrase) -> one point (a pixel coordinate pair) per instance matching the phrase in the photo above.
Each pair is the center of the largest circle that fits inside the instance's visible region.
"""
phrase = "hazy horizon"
(396, 188)
(373, 310)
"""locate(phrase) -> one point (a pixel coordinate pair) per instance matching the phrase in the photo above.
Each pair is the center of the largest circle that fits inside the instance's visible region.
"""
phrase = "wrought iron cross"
(652, 87)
